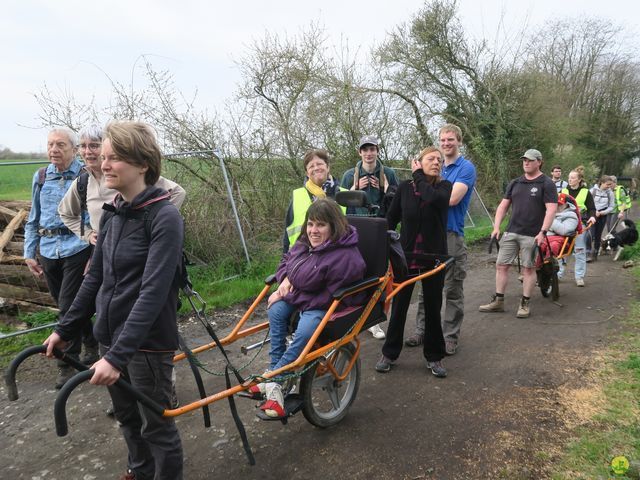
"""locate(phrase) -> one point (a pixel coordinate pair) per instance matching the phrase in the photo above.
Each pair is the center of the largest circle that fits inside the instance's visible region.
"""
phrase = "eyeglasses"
(90, 146)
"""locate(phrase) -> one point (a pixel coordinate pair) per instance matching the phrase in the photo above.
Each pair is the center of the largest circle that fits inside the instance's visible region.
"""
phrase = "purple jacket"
(316, 273)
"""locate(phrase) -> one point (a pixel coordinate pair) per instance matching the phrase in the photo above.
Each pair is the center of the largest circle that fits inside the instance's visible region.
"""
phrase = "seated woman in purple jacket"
(324, 259)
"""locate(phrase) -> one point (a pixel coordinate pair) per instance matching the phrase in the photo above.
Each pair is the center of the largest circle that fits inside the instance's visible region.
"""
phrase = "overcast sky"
(70, 44)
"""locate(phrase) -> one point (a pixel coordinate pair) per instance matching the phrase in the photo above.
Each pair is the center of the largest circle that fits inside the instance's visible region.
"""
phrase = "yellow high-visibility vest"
(301, 203)
(581, 198)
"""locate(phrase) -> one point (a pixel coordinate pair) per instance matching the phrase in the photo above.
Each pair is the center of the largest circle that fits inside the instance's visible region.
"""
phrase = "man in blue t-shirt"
(462, 174)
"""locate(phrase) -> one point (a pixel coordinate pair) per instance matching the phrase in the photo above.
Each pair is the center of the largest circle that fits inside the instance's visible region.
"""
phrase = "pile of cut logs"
(19, 289)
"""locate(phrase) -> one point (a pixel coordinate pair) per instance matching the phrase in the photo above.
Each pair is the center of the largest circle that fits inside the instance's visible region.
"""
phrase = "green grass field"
(15, 180)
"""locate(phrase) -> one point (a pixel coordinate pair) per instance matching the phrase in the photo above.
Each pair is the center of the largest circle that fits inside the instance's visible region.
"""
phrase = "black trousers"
(433, 345)
(153, 442)
(64, 277)
(598, 228)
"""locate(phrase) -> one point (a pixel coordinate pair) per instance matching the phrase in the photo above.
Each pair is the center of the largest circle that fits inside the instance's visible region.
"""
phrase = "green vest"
(301, 203)
(581, 198)
(623, 201)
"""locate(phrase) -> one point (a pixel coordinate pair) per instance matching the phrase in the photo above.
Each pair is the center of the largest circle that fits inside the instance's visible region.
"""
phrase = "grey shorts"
(511, 244)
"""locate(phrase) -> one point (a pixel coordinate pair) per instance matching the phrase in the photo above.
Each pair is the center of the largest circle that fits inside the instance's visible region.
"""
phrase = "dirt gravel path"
(513, 393)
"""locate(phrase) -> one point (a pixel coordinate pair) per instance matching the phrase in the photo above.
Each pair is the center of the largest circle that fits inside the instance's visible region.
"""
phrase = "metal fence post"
(233, 204)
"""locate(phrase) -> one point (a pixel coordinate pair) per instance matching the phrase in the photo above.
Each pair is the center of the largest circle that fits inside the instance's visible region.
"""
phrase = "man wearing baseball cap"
(533, 199)
(370, 176)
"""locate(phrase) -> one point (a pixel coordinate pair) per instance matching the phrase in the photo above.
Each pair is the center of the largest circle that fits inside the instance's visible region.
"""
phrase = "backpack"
(387, 196)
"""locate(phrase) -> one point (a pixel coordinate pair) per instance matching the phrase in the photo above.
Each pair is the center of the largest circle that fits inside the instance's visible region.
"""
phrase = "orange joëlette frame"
(307, 355)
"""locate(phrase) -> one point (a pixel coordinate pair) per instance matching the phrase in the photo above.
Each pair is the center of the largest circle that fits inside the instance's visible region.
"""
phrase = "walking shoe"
(523, 309)
(414, 340)
(110, 412)
(580, 282)
(377, 332)
(450, 347)
(65, 372)
(128, 476)
(90, 355)
(437, 369)
(589, 259)
(384, 364)
(496, 305)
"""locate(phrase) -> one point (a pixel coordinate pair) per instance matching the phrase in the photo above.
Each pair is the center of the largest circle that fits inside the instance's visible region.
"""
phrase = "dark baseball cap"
(368, 140)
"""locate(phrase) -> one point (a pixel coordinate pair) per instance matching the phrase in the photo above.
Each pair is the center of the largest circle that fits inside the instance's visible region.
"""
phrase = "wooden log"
(16, 204)
(21, 275)
(27, 307)
(14, 292)
(7, 214)
(14, 248)
(7, 234)
(12, 260)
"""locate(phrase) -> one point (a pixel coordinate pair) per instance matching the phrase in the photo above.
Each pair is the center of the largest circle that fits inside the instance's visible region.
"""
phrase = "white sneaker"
(274, 394)
(377, 332)
(579, 282)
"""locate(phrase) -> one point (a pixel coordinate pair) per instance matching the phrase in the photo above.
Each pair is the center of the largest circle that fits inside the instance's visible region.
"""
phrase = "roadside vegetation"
(614, 430)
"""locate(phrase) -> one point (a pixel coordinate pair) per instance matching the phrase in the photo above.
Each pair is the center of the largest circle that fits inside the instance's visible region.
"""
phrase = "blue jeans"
(580, 255)
(279, 316)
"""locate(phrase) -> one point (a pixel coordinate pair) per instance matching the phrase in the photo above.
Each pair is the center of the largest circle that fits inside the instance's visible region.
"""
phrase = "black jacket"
(134, 282)
(424, 213)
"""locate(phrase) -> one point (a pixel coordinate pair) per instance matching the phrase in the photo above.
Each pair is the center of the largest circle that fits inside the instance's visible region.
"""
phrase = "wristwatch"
(544, 232)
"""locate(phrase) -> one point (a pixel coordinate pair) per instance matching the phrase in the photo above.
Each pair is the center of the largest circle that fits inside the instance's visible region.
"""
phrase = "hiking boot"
(129, 475)
(65, 372)
(450, 347)
(437, 369)
(580, 282)
(377, 332)
(496, 305)
(414, 340)
(90, 355)
(384, 364)
(523, 309)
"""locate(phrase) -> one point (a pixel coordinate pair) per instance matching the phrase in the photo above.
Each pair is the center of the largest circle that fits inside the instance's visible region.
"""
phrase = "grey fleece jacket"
(604, 200)
(565, 222)
(133, 281)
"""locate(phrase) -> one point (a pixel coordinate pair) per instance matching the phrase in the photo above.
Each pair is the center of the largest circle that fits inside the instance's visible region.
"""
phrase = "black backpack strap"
(198, 378)
(81, 186)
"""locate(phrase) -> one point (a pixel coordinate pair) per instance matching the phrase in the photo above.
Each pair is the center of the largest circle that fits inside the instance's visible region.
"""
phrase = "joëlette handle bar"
(61, 400)
(10, 374)
(59, 408)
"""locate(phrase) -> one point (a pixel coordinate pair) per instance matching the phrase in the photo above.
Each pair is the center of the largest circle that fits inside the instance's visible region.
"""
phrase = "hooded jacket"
(316, 273)
(133, 281)
(565, 222)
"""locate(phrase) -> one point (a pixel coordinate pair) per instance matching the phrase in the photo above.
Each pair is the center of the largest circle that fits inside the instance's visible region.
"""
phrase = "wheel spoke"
(334, 397)
(323, 382)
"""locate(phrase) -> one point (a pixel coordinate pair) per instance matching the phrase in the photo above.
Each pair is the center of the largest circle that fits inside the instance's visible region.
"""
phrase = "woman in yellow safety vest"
(578, 190)
(319, 184)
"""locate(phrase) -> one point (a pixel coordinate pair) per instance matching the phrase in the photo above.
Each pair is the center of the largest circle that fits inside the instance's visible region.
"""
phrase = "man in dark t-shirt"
(533, 199)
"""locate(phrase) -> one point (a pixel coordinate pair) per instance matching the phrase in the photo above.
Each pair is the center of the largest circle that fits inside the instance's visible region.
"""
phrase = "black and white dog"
(617, 240)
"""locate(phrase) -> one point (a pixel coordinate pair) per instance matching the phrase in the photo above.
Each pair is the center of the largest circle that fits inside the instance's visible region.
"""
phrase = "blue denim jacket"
(44, 214)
